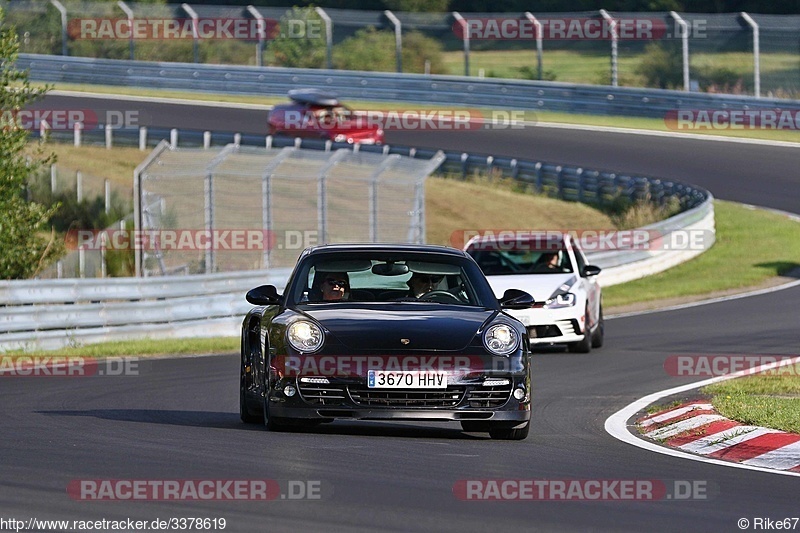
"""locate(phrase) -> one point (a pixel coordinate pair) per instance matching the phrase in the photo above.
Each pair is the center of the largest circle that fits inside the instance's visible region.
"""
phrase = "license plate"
(411, 379)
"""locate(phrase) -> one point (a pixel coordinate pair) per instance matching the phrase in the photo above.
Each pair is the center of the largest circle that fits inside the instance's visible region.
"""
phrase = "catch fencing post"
(328, 36)
(128, 13)
(465, 29)
(684, 32)
(262, 34)
(539, 39)
(195, 36)
(398, 39)
(756, 53)
(61, 9)
(614, 45)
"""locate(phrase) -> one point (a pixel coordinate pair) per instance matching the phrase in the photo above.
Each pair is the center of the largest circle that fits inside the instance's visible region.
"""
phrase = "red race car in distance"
(317, 114)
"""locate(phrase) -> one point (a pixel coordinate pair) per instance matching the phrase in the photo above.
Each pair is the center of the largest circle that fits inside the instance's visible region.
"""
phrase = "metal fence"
(732, 53)
(445, 91)
(249, 208)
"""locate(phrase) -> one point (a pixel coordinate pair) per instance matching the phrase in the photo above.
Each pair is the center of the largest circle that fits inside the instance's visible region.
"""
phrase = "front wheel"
(272, 423)
(503, 432)
(584, 345)
(599, 332)
(244, 413)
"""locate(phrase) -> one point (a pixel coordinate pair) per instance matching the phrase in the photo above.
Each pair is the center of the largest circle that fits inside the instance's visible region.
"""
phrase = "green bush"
(373, 50)
(306, 51)
(662, 66)
(69, 213)
(24, 244)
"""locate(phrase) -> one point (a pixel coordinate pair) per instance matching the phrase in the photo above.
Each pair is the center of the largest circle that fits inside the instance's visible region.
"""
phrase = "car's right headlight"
(305, 336)
(501, 339)
(560, 301)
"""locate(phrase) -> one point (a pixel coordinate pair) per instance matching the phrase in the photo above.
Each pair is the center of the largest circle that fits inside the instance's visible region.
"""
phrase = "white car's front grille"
(561, 328)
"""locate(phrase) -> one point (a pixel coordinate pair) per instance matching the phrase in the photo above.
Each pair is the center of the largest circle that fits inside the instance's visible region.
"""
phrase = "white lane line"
(675, 413)
(672, 135)
(616, 425)
(684, 425)
(725, 439)
(783, 458)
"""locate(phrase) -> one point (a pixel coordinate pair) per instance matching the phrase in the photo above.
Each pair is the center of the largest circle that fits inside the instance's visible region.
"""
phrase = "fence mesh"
(263, 206)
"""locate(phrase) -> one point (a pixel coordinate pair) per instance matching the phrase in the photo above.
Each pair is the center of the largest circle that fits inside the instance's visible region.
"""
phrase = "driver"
(420, 284)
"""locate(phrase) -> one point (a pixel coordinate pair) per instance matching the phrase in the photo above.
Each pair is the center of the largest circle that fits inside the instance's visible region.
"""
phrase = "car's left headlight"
(304, 336)
(501, 339)
(562, 300)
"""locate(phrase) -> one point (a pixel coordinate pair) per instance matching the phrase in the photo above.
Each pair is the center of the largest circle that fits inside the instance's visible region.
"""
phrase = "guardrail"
(431, 89)
(53, 313)
(50, 314)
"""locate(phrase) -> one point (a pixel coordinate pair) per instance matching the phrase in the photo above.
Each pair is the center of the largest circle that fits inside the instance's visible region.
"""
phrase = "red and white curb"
(696, 427)
(698, 433)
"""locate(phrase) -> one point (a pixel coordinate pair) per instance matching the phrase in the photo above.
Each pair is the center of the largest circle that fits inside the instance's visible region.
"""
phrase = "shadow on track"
(222, 420)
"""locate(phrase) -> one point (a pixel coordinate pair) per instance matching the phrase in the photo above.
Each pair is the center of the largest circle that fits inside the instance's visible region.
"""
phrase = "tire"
(270, 422)
(474, 426)
(503, 432)
(600, 330)
(585, 345)
(244, 413)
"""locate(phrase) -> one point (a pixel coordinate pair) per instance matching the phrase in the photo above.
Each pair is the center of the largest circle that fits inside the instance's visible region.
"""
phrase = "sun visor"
(439, 269)
(344, 265)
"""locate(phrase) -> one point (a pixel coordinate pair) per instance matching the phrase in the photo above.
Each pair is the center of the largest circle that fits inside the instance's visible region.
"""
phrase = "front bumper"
(552, 326)
(351, 399)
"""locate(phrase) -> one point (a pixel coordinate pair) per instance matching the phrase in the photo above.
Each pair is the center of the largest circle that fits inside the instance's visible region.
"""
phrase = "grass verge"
(751, 247)
(142, 347)
(770, 400)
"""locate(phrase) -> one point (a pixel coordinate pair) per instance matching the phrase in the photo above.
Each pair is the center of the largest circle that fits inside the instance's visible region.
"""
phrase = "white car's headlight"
(501, 339)
(562, 300)
(305, 336)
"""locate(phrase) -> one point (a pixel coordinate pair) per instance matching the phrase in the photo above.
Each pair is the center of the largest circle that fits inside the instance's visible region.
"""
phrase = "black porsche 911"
(386, 332)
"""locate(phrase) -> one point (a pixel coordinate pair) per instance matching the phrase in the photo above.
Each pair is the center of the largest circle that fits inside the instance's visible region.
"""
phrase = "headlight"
(501, 339)
(340, 138)
(304, 336)
(562, 300)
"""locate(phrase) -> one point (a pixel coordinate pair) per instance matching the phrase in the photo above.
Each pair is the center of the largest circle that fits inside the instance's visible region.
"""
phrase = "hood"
(427, 327)
(540, 286)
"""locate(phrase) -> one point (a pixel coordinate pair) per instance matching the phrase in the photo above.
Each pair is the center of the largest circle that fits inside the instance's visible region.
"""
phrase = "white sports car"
(551, 267)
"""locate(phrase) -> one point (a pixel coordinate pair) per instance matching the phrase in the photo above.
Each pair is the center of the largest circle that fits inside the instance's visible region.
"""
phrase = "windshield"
(386, 277)
(506, 262)
(333, 115)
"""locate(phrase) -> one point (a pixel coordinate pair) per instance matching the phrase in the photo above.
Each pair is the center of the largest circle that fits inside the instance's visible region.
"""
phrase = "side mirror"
(591, 270)
(516, 299)
(264, 295)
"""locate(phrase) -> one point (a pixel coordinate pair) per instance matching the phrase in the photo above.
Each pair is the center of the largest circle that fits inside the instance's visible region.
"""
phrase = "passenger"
(420, 284)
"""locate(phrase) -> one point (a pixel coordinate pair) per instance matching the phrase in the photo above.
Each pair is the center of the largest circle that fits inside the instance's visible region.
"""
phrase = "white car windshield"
(507, 262)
